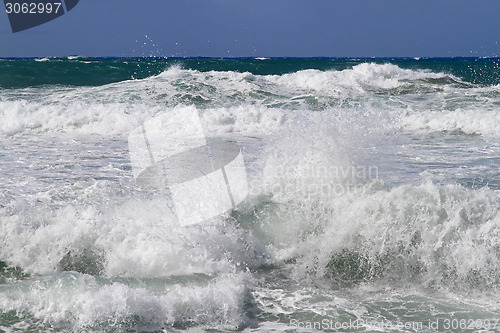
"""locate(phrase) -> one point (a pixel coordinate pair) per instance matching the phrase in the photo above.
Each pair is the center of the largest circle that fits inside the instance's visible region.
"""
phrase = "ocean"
(371, 196)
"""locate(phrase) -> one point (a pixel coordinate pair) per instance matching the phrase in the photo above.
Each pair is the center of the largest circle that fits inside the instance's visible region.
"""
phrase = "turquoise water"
(373, 197)
(81, 71)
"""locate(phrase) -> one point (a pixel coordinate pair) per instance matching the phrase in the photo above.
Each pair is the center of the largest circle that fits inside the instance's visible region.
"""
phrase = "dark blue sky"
(263, 28)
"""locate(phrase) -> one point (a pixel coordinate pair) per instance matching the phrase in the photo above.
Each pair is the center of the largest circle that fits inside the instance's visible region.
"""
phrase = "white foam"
(84, 302)
(121, 119)
(470, 121)
(322, 206)
(140, 238)
(74, 117)
(429, 233)
(361, 78)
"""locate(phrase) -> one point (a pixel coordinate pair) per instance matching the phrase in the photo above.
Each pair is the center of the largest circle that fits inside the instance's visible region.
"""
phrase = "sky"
(263, 28)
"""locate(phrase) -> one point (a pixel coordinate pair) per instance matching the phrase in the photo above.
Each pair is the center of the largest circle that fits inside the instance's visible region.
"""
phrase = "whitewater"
(373, 200)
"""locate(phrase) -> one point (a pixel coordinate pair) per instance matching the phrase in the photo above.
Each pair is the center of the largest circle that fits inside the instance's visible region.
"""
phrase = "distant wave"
(413, 99)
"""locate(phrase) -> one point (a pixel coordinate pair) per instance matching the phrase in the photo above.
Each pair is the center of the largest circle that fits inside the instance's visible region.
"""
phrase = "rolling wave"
(409, 99)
